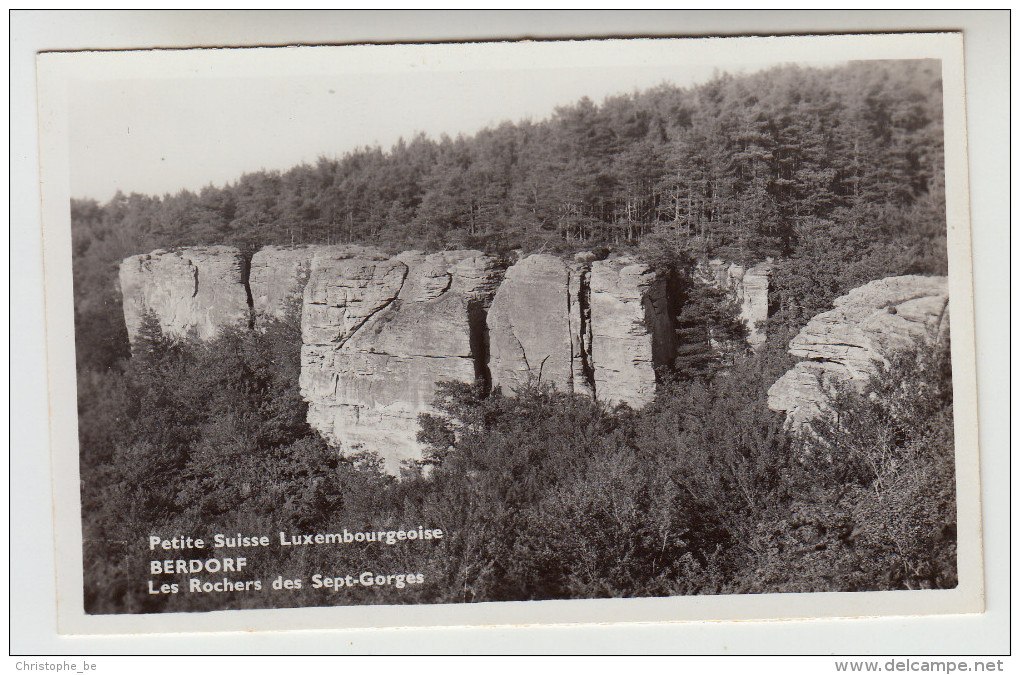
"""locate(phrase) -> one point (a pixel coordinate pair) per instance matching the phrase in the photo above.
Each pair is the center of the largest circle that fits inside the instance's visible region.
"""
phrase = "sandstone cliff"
(632, 330)
(846, 343)
(538, 326)
(279, 275)
(277, 279)
(193, 292)
(379, 332)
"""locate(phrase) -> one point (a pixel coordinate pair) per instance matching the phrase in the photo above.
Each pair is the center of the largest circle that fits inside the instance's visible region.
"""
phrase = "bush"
(873, 504)
(541, 495)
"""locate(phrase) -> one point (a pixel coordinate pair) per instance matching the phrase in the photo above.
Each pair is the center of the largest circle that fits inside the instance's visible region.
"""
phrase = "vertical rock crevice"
(478, 338)
(662, 310)
(584, 329)
(192, 291)
(246, 256)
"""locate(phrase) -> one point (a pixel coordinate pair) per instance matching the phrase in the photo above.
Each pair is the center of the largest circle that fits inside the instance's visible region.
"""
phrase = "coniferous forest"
(837, 174)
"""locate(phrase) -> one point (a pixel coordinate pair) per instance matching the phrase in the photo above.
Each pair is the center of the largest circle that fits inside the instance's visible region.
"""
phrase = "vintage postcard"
(510, 333)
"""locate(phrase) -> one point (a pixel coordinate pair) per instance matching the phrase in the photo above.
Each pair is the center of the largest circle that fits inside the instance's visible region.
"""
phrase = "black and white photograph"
(645, 325)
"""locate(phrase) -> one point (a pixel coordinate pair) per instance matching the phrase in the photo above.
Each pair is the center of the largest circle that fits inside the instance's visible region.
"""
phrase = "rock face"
(277, 279)
(748, 287)
(380, 333)
(193, 292)
(844, 344)
(537, 326)
(279, 275)
(632, 330)
(599, 328)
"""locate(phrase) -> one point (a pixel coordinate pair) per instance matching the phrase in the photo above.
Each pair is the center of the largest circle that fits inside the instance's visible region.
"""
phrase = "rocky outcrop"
(537, 326)
(279, 275)
(847, 343)
(633, 329)
(277, 280)
(595, 327)
(749, 288)
(379, 334)
(193, 292)
(582, 372)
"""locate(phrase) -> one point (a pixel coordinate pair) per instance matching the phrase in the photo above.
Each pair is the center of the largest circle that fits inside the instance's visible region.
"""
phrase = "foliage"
(876, 504)
(708, 329)
(837, 172)
(540, 494)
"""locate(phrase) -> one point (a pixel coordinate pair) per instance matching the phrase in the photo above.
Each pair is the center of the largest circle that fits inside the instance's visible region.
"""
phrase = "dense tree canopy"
(838, 172)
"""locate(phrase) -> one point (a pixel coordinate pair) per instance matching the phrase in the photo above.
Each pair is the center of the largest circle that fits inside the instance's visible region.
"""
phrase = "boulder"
(849, 343)
(192, 292)
(279, 274)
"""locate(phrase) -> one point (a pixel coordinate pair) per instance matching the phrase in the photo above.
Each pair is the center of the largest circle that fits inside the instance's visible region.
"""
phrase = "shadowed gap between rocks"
(246, 255)
(585, 334)
(478, 339)
(660, 318)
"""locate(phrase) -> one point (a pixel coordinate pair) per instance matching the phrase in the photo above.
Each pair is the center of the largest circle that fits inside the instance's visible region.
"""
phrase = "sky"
(185, 128)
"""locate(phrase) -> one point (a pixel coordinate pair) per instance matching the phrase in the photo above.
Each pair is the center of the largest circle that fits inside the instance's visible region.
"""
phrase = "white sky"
(188, 119)
(157, 136)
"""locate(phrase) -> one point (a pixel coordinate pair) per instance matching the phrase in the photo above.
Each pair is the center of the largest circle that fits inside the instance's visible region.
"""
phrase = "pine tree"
(708, 330)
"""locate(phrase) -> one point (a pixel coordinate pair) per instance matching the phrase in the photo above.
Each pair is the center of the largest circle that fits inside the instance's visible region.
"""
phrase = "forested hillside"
(837, 172)
(834, 173)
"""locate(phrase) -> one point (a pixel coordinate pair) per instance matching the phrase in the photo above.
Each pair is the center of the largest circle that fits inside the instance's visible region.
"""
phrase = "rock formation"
(753, 296)
(846, 343)
(379, 332)
(537, 326)
(749, 288)
(193, 292)
(279, 275)
(632, 330)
